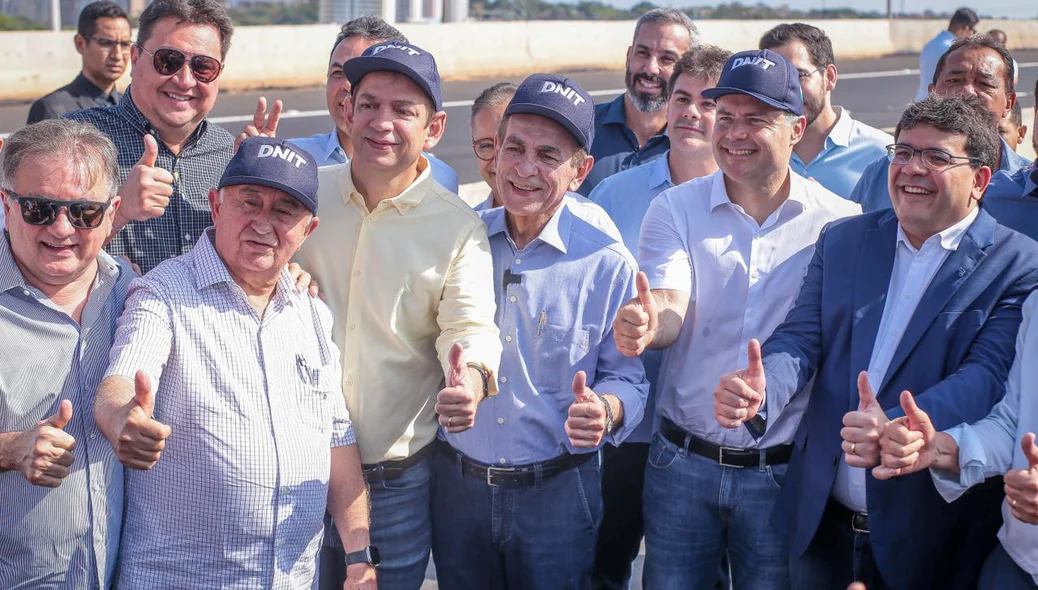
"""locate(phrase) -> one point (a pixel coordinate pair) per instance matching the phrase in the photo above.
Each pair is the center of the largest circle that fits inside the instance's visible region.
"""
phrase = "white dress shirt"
(741, 278)
(912, 273)
(992, 446)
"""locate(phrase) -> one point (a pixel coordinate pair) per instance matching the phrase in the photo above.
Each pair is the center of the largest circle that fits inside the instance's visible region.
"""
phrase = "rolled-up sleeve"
(467, 307)
(662, 252)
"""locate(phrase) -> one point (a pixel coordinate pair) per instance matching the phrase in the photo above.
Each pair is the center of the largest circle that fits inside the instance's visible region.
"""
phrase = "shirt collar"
(132, 114)
(211, 270)
(332, 148)
(949, 239)
(1031, 179)
(84, 86)
(404, 202)
(841, 132)
(555, 233)
(659, 173)
(614, 112)
(797, 191)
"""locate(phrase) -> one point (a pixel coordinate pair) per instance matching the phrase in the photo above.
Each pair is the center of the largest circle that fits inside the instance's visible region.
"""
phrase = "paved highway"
(875, 91)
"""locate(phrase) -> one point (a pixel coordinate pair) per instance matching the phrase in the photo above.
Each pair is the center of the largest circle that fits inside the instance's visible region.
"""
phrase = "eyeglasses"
(82, 214)
(484, 149)
(107, 44)
(804, 75)
(934, 159)
(167, 62)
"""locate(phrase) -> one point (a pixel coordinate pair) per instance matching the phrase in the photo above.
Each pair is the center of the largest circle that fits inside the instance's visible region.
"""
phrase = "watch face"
(373, 557)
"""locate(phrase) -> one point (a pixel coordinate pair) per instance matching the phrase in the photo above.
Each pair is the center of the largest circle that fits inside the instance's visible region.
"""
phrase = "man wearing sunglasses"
(924, 298)
(169, 154)
(60, 294)
(103, 40)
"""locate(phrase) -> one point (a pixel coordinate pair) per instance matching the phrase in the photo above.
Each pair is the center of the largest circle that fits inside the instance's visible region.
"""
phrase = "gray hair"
(671, 16)
(493, 96)
(371, 27)
(91, 152)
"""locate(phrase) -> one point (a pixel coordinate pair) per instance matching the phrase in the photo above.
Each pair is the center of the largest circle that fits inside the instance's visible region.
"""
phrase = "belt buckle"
(490, 471)
(720, 457)
(854, 523)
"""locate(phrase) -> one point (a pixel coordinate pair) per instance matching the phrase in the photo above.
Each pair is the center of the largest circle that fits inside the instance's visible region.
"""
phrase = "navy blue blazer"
(954, 357)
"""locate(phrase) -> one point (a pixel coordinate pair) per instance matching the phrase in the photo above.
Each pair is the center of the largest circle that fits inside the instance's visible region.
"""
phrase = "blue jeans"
(1001, 573)
(401, 529)
(697, 511)
(494, 538)
(837, 556)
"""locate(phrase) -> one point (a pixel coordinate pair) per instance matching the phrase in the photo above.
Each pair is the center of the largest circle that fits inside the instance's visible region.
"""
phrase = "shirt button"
(351, 327)
(367, 222)
(285, 490)
(356, 273)
(510, 299)
(500, 420)
(502, 461)
(508, 338)
(281, 542)
(504, 379)
(349, 381)
(518, 261)
(92, 436)
(187, 237)
(27, 293)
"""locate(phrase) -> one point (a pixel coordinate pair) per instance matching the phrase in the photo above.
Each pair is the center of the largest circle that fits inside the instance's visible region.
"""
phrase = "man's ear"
(437, 125)
(80, 43)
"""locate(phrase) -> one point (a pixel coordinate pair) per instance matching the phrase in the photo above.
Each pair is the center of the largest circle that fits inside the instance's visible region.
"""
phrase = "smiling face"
(58, 254)
(391, 123)
(176, 104)
(258, 229)
(484, 128)
(337, 87)
(690, 117)
(650, 63)
(926, 201)
(752, 141)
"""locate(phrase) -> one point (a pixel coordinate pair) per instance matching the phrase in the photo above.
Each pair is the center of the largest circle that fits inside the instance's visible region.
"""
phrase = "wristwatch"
(368, 555)
(609, 415)
(484, 372)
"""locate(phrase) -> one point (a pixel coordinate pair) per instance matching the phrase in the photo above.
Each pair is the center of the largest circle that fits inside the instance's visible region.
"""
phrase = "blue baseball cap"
(764, 75)
(560, 99)
(276, 163)
(403, 58)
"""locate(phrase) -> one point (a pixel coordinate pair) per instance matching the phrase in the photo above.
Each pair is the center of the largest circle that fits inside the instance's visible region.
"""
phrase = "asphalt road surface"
(875, 91)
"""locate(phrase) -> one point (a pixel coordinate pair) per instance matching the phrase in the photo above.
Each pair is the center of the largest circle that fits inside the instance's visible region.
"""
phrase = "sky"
(996, 8)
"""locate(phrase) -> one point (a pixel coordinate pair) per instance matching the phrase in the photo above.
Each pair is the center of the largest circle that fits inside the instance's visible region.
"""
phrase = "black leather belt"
(724, 456)
(516, 476)
(387, 470)
(858, 521)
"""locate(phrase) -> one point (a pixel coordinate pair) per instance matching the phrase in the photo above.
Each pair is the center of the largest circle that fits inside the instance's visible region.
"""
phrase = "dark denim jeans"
(697, 511)
(1001, 573)
(493, 538)
(401, 529)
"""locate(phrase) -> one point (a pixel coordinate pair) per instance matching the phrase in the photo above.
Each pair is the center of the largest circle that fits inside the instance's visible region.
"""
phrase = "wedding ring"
(852, 449)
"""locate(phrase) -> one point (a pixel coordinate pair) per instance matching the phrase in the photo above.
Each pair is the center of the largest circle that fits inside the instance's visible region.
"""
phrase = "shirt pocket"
(557, 350)
(313, 391)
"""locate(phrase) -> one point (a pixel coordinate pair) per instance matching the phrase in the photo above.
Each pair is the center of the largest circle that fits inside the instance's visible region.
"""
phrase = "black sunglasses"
(82, 214)
(167, 62)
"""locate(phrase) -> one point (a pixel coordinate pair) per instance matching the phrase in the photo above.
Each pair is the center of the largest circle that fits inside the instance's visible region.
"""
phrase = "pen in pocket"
(542, 321)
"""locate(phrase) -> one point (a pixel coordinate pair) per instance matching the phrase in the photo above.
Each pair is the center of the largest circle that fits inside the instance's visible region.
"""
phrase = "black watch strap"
(368, 555)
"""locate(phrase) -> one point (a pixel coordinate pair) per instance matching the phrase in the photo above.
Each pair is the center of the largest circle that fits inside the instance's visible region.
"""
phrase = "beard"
(642, 101)
(813, 109)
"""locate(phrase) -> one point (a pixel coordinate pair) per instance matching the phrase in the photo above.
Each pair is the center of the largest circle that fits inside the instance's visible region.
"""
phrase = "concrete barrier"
(33, 63)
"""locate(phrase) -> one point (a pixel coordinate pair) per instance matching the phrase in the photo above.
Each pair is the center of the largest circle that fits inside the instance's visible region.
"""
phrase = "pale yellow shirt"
(404, 282)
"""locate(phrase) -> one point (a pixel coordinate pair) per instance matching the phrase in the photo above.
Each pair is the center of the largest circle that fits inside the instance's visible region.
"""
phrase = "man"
(1012, 129)
(964, 456)
(170, 156)
(245, 434)
(626, 197)
(408, 276)
(517, 499)
(1000, 36)
(61, 484)
(962, 24)
(1013, 198)
(975, 66)
(335, 146)
(835, 149)
(717, 229)
(631, 129)
(924, 298)
(103, 39)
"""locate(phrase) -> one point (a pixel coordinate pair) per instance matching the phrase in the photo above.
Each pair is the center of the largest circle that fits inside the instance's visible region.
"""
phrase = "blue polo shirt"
(616, 147)
(1012, 199)
(928, 58)
(849, 148)
(872, 193)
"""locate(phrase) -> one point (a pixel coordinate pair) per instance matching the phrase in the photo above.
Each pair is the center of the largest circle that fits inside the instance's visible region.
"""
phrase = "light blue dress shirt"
(849, 148)
(992, 446)
(872, 193)
(556, 321)
(325, 148)
(626, 197)
(1012, 199)
(928, 58)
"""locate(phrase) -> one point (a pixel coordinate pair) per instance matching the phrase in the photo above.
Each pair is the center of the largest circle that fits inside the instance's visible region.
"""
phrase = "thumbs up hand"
(635, 323)
(456, 403)
(908, 443)
(586, 419)
(141, 438)
(1022, 484)
(863, 427)
(43, 454)
(147, 189)
(739, 395)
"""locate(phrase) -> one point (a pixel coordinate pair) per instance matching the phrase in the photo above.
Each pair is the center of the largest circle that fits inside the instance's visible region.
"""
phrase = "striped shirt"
(64, 537)
(196, 169)
(255, 406)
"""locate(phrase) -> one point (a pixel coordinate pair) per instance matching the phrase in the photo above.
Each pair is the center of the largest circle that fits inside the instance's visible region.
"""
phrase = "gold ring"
(852, 449)
(1012, 503)
(449, 418)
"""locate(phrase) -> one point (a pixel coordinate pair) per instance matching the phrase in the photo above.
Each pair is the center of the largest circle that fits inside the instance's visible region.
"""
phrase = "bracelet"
(484, 373)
